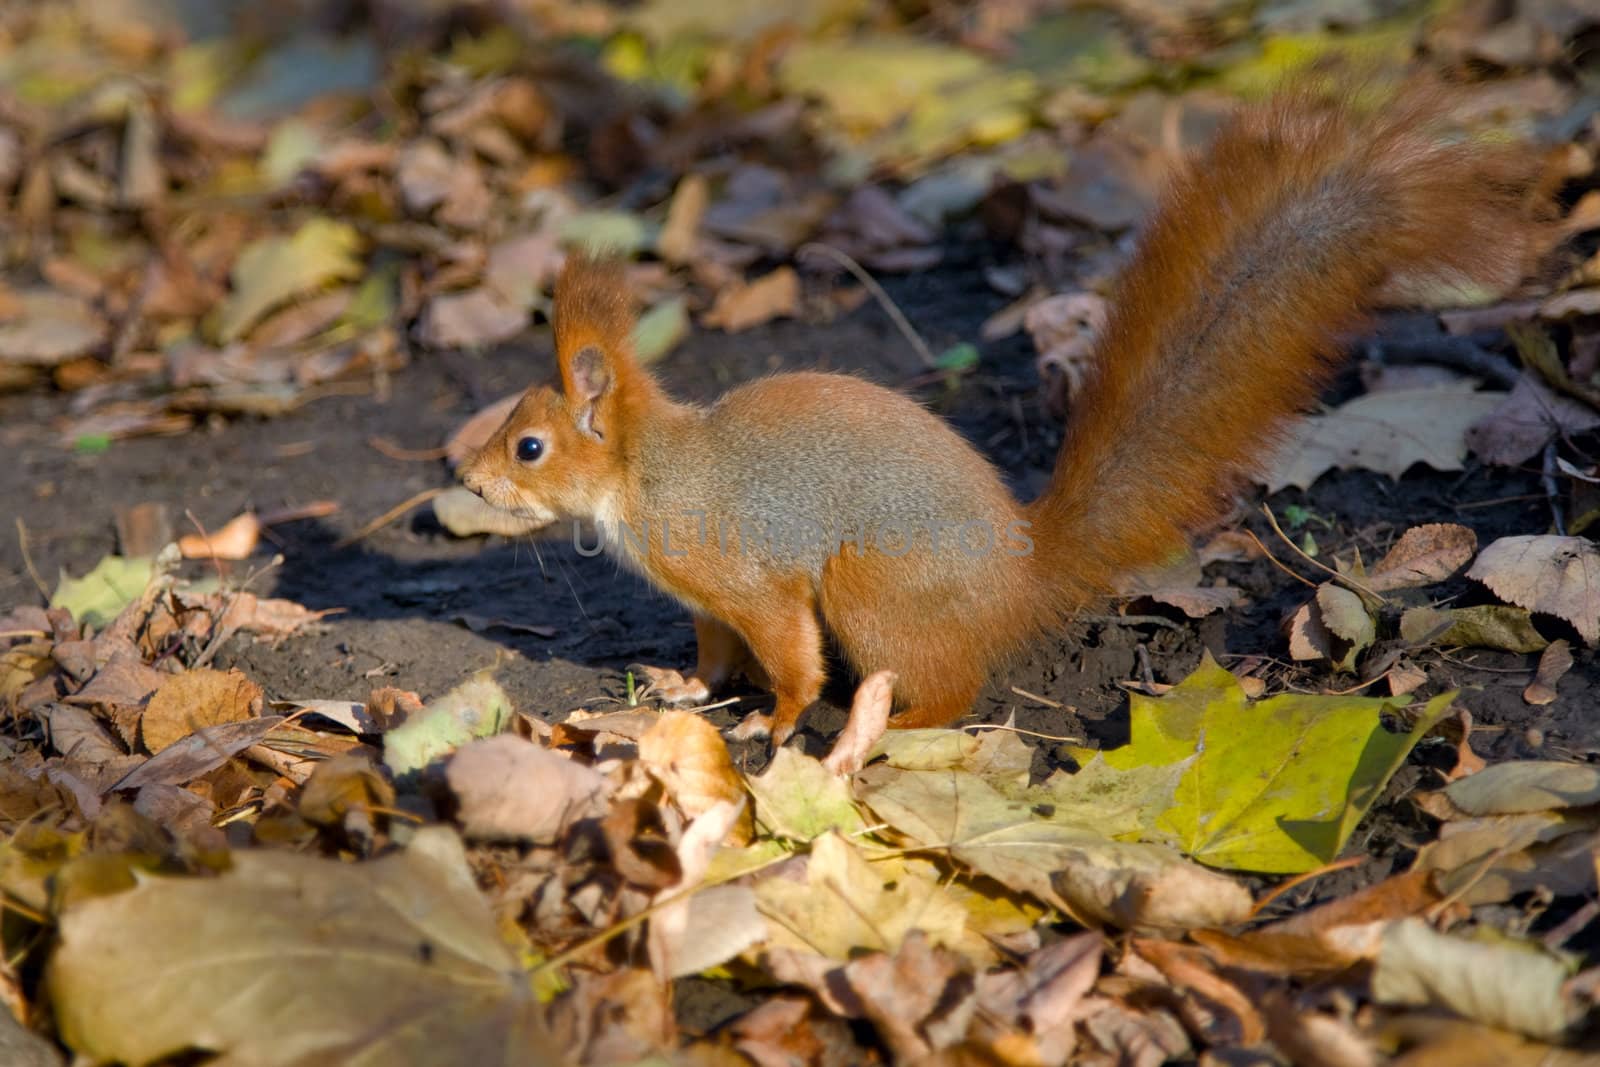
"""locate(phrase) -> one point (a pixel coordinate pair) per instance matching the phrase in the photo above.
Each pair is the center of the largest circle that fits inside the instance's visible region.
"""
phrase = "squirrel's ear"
(588, 383)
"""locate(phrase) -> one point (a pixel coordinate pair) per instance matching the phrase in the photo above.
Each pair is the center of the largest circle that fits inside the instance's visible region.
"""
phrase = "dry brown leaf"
(1554, 662)
(194, 700)
(1572, 304)
(1423, 555)
(1555, 575)
(199, 753)
(341, 785)
(476, 431)
(1530, 416)
(520, 268)
(1196, 602)
(678, 238)
(125, 680)
(1065, 329)
(1186, 968)
(1406, 677)
(1386, 433)
(236, 539)
(1479, 626)
(466, 514)
(687, 754)
(509, 789)
(43, 327)
(272, 617)
(748, 304)
(692, 931)
(470, 319)
(1329, 937)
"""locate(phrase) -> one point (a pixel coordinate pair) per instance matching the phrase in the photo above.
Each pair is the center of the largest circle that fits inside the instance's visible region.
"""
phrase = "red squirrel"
(1227, 322)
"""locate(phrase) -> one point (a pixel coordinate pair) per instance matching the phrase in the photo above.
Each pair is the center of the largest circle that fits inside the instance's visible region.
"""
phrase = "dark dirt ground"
(402, 589)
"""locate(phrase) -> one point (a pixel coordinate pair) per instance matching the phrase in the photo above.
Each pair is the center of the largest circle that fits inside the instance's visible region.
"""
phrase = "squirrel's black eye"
(529, 449)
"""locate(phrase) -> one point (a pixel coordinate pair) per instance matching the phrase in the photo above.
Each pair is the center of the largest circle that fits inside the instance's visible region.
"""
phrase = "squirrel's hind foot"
(670, 687)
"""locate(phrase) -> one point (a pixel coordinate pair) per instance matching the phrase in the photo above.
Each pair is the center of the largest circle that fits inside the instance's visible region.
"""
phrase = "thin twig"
(1335, 575)
(1133, 620)
(1276, 562)
(908, 331)
(388, 448)
(1552, 489)
(1025, 733)
(27, 561)
(1036, 698)
(388, 516)
(1301, 879)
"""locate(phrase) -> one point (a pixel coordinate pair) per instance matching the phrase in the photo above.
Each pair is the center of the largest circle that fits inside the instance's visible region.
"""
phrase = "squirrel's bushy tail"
(1229, 318)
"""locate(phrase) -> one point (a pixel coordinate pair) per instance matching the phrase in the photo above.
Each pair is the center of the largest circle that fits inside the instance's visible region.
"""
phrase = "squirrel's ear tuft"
(592, 309)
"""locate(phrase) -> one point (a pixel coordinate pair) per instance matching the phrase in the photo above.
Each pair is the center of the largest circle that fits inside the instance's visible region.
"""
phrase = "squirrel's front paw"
(671, 687)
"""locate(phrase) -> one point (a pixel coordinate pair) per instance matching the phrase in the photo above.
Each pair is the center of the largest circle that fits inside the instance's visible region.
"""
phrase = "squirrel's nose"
(474, 480)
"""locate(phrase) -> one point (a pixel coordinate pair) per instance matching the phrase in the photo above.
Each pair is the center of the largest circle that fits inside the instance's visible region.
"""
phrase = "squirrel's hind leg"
(938, 698)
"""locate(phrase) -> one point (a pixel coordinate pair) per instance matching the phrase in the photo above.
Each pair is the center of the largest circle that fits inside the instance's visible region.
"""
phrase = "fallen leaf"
(688, 756)
(1276, 785)
(125, 680)
(1330, 937)
(1058, 858)
(698, 928)
(676, 243)
(1188, 969)
(41, 327)
(748, 304)
(194, 699)
(1519, 786)
(1553, 664)
(508, 789)
(1529, 417)
(135, 974)
(1386, 433)
(1345, 616)
(341, 786)
(845, 904)
(466, 514)
(198, 753)
(476, 431)
(236, 539)
(799, 799)
(1555, 575)
(479, 624)
(605, 232)
(272, 616)
(661, 329)
(473, 318)
(1423, 555)
(274, 270)
(1505, 983)
(473, 709)
(99, 596)
(1480, 626)
(22, 665)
